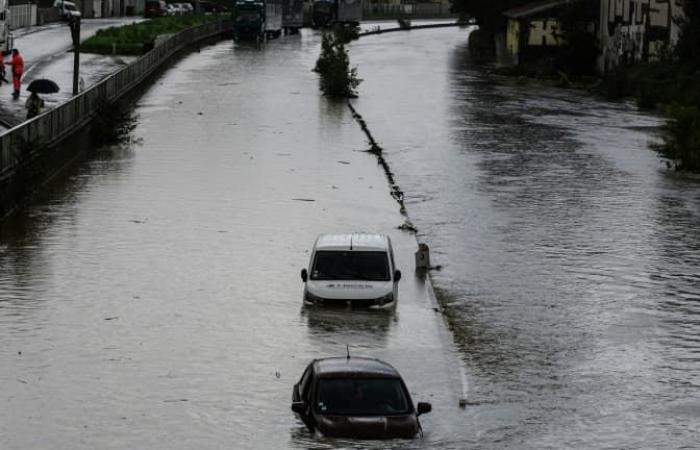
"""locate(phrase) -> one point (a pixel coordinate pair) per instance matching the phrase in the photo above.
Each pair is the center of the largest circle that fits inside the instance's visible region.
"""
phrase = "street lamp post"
(74, 25)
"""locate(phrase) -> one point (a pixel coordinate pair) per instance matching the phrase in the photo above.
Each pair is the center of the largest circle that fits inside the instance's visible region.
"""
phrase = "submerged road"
(153, 299)
(570, 254)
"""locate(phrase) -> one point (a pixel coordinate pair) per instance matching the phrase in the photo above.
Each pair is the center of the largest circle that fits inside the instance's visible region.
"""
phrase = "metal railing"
(36, 136)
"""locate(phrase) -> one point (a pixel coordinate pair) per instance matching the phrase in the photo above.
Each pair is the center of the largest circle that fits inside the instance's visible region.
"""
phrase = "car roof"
(353, 367)
(352, 241)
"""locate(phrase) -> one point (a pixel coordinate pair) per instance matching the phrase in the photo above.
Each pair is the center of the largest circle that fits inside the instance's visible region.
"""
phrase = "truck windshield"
(349, 265)
(361, 397)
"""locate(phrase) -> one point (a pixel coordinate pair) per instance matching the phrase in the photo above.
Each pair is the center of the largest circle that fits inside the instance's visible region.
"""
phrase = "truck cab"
(248, 18)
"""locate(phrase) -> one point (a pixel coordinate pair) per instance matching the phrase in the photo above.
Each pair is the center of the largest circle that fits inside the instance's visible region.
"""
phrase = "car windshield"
(70, 7)
(348, 265)
(361, 397)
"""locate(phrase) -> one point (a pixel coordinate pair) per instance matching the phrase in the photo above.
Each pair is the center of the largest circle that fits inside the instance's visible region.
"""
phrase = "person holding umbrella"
(17, 64)
(34, 102)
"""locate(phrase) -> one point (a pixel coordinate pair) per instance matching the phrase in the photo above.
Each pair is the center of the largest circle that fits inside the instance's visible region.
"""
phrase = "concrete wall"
(636, 30)
(395, 8)
(36, 137)
(23, 15)
(46, 15)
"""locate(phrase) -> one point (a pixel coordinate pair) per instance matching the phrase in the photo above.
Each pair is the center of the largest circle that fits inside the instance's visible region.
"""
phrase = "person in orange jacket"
(17, 64)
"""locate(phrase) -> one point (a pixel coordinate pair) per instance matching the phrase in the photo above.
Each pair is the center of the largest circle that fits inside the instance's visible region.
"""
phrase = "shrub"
(346, 33)
(681, 137)
(130, 39)
(333, 66)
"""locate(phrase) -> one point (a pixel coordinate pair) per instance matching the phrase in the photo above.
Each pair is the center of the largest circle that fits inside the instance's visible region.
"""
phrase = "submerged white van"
(356, 269)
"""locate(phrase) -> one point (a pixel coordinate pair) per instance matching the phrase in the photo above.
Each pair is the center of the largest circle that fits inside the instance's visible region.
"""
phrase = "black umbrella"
(43, 86)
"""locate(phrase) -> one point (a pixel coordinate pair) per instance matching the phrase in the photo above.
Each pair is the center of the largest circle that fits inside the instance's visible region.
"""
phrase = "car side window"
(305, 383)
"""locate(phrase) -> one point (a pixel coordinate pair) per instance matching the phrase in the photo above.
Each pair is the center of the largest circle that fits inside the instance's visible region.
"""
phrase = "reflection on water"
(360, 329)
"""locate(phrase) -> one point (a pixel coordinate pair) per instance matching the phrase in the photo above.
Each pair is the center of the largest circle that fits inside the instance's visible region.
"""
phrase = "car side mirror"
(423, 408)
(304, 275)
(299, 407)
(397, 275)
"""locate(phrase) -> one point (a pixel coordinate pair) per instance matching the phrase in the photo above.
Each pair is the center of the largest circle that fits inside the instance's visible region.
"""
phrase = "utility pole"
(74, 25)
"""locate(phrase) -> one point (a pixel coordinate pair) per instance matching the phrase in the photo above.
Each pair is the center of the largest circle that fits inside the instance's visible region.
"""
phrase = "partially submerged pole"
(74, 25)
(423, 257)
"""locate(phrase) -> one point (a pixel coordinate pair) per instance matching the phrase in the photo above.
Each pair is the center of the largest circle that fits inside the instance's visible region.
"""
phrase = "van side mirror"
(423, 408)
(397, 275)
(304, 275)
(299, 407)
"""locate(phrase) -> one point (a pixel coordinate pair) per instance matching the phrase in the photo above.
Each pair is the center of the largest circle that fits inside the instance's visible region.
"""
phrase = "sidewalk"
(47, 53)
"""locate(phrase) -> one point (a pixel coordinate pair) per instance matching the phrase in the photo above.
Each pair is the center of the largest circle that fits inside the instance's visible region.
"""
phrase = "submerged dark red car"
(359, 398)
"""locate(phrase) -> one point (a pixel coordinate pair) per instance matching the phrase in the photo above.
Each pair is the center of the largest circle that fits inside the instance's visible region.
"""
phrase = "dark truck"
(248, 18)
(325, 13)
(292, 15)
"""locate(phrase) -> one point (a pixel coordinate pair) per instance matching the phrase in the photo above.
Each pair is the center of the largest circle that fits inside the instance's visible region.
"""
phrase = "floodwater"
(152, 299)
(570, 255)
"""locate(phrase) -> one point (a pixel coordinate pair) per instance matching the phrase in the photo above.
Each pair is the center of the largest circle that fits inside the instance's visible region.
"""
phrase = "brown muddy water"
(152, 300)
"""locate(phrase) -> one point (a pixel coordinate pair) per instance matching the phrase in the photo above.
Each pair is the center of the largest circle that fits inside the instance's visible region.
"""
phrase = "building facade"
(637, 30)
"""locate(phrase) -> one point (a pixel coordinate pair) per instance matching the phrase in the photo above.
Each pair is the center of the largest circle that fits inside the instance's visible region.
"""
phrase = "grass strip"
(135, 38)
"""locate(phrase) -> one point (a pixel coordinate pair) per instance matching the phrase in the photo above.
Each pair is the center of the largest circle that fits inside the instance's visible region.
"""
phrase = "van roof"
(352, 241)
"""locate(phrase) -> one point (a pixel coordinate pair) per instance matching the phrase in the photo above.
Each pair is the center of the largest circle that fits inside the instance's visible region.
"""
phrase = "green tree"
(333, 66)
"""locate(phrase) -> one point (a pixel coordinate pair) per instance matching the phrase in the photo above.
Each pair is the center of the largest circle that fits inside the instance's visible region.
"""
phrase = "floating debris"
(304, 199)
(408, 226)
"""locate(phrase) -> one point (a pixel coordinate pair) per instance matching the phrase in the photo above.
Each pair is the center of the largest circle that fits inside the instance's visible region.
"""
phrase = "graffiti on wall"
(546, 33)
(637, 30)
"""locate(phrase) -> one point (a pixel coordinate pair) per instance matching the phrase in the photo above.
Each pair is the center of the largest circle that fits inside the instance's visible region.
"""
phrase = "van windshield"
(361, 397)
(347, 265)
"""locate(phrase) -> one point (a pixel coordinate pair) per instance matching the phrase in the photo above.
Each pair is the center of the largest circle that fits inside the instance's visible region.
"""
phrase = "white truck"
(6, 38)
